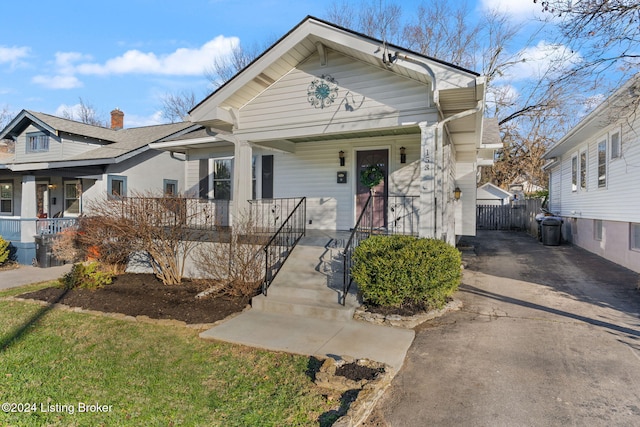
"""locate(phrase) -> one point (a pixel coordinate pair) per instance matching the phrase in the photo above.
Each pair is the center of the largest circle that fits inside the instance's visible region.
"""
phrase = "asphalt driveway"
(548, 336)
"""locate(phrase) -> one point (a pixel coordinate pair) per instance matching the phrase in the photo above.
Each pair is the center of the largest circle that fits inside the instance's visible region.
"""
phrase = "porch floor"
(302, 315)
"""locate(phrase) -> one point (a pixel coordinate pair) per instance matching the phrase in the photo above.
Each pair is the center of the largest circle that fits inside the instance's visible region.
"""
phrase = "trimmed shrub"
(87, 276)
(395, 271)
(4, 251)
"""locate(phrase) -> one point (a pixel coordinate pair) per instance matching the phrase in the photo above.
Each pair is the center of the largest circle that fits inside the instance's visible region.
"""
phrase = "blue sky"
(128, 54)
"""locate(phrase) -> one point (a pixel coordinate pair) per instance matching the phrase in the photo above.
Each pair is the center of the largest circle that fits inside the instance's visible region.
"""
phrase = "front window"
(72, 193)
(37, 143)
(6, 198)
(116, 186)
(222, 179)
(616, 146)
(602, 164)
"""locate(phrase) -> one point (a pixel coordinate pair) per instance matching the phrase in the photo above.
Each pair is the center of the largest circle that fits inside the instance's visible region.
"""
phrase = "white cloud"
(543, 60)
(57, 82)
(132, 120)
(516, 9)
(13, 55)
(182, 61)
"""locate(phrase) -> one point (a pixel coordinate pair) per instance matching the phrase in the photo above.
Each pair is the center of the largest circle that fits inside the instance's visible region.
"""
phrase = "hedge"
(393, 271)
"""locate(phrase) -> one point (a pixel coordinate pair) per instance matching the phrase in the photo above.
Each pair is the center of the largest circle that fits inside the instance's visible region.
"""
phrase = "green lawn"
(144, 375)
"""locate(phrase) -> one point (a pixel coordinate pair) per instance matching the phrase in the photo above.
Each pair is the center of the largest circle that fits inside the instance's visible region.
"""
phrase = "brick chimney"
(117, 119)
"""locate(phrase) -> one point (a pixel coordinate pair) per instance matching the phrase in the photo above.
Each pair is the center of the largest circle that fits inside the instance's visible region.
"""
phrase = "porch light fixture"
(52, 186)
(403, 155)
(341, 157)
(457, 193)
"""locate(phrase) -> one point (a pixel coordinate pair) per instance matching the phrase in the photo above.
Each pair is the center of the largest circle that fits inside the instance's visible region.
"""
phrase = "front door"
(42, 199)
(366, 159)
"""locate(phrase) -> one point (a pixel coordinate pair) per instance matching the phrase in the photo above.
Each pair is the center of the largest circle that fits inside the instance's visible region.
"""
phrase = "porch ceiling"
(398, 131)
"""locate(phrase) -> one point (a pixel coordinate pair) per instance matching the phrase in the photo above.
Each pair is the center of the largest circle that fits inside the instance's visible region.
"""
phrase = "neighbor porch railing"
(186, 212)
(401, 218)
(291, 230)
(54, 225)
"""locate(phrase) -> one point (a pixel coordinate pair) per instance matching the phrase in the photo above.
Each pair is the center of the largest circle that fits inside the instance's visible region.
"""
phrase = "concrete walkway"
(26, 274)
(312, 333)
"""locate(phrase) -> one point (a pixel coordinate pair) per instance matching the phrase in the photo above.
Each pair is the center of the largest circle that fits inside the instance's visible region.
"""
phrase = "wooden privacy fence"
(516, 216)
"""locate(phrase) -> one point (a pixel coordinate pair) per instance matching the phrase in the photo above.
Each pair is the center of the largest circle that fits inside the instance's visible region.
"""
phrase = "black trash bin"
(551, 230)
(44, 252)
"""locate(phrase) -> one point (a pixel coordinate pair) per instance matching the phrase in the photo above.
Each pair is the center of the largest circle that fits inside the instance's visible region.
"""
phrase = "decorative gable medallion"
(322, 91)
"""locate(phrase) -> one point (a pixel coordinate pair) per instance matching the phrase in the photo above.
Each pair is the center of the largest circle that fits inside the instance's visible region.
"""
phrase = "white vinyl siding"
(383, 99)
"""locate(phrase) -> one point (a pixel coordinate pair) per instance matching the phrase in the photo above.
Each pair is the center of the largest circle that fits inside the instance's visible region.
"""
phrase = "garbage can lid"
(552, 220)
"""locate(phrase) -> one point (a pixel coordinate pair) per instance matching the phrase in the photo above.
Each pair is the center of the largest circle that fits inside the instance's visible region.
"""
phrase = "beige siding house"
(325, 105)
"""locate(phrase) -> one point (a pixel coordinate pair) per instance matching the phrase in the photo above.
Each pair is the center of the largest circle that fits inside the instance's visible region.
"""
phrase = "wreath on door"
(371, 176)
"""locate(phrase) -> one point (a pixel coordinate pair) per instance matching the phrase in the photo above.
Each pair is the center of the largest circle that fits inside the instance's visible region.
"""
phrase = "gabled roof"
(610, 110)
(314, 35)
(118, 144)
(492, 190)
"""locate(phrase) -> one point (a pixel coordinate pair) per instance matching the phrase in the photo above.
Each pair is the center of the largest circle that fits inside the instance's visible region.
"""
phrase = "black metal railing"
(290, 230)
(400, 217)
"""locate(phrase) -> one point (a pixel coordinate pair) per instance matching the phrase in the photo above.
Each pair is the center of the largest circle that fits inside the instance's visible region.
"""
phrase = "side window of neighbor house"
(116, 186)
(635, 237)
(37, 143)
(574, 173)
(616, 144)
(6, 198)
(602, 163)
(597, 229)
(583, 171)
(222, 179)
(72, 192)
(170, 187)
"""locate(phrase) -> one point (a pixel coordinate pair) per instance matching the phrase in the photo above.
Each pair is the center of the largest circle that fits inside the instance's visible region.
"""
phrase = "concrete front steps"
(310, 282)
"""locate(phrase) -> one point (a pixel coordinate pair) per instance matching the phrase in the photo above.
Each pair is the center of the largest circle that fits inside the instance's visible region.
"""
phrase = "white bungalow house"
(325, 105)
(594, 171)
(58, 164)
(491, 195)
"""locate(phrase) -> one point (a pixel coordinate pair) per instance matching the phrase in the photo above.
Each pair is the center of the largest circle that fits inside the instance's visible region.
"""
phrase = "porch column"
(428, 134)
(242, 178)
(28, 208)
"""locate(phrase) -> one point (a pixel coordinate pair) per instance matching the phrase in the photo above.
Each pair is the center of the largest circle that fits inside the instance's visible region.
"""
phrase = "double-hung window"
(222, 179)
(72, 193)
(6, 198)
(37, 143)
(616, 144)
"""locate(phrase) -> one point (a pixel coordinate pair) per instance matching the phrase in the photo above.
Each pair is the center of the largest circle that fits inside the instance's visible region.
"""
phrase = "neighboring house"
(59, 164)
(594, 174)
(324, 105)
(492, 195)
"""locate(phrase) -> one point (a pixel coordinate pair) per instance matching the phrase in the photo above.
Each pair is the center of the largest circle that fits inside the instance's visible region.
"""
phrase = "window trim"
(616, 131)
(110, 179)
(173, 182)
(2, 183)
(40, 138)
(78, 184)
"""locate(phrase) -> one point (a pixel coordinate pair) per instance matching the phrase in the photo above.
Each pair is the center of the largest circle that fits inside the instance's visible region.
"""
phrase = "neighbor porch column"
(28, 209)
(242, 177)
(428, 134)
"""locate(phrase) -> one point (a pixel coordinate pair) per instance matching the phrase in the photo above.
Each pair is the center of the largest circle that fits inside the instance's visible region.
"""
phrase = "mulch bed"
(356, 372)
(143, 294)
